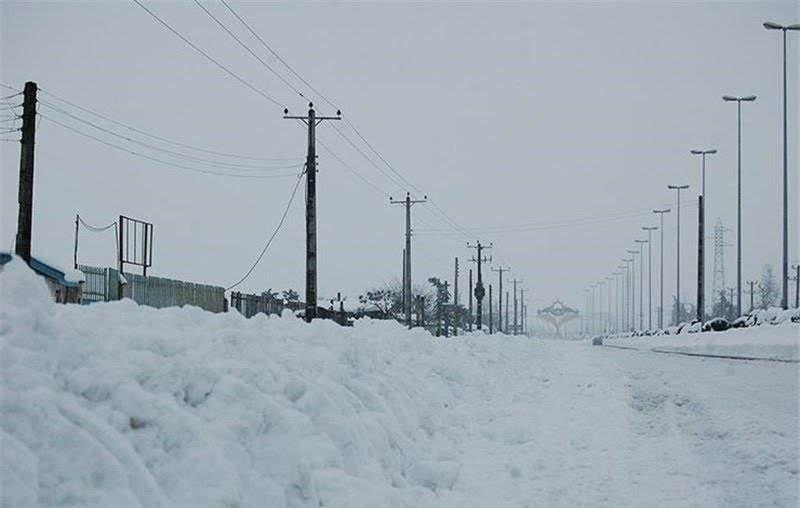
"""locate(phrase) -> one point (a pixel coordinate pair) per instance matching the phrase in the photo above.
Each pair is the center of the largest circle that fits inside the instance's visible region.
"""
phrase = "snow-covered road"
(598, 426)
(121, 405)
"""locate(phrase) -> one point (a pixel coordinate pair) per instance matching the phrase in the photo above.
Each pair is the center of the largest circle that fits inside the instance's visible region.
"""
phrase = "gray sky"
(506, 115)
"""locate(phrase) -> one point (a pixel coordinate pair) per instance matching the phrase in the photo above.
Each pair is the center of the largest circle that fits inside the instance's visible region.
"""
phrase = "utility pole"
(521, 310)
(407, 202)
(311, 121)
(506, 319)
(515, 282)
(491, 329)
(479, 290)
(678, 309)
(443, 306)
(469, 321)
(633, 287)
(649, 230)
(796, 286)
(500, 271)
(455, 299)
(751, 283)
(661, 284)
(25, 195)
(608, 312)
(626, 294)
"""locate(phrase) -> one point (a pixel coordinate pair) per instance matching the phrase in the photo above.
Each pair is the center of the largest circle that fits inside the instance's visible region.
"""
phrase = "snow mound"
(116, 404)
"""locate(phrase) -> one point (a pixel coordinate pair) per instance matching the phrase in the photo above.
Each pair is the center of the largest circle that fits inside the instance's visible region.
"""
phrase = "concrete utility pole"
(661, 284)
(608, 314)
(649, 230)
(616, 324)
(796, 286)
(515, 282)
(407, 202)
(455, 299)
(311, 121)
(506, 319)
(785, 296)
(678, 309)
(25, 193)
(491, 329)
(738, 100)
(479, 290)
(500, 271)
(521, 310)
(470, 299)
(443, 306)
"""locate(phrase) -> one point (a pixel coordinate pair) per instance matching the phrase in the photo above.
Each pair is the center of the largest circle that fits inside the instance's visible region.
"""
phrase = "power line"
(209, 57)
(272, 237)
(276, 55)
(159, 161)
(174, 153)
(249, 50)
(159, 138)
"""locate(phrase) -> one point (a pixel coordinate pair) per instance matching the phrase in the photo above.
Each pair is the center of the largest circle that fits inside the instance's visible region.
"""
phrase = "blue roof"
(43, 269)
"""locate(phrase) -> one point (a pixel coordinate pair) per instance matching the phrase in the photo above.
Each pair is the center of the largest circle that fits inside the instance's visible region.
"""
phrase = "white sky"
(504, 114)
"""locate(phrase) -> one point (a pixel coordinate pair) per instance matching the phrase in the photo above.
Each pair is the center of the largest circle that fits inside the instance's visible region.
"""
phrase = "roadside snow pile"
(781, 341)
(122, 405)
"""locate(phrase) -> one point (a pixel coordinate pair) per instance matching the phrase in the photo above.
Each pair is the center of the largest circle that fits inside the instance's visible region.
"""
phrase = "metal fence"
(102, 286)
(250, 305)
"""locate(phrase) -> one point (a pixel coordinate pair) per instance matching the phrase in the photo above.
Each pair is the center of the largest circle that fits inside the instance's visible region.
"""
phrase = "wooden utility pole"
(480, 292)
(25, 199)
(311, 121)
(500, 271)
(407, 202)
(443, 304)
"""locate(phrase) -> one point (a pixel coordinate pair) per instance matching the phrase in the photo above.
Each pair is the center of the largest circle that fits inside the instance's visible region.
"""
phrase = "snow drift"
(115, 404)
(121, 405)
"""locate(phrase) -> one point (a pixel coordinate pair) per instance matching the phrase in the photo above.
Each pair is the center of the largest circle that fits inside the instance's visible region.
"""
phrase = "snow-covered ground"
(775, 342)
(120, 405)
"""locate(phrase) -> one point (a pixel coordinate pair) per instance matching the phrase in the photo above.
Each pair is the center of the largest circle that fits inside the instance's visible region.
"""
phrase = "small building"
(66, 286)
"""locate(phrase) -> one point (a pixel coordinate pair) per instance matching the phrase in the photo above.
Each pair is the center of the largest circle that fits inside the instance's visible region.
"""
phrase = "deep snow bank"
(121, 405)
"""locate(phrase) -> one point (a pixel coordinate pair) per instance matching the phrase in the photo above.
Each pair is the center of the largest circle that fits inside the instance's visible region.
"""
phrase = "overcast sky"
(527, 115)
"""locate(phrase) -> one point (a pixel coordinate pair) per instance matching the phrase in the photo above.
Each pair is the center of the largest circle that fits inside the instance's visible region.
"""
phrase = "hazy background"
(506, 115)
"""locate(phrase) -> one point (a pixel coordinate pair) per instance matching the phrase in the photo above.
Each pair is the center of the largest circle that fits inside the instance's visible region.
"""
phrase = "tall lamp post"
(701, 240)
(633, 287)
(785, 296)
(649, 230)
(739, 100)
(661, 284)
(622, 287)
(641, 282)
(616, 276)
(678, 310)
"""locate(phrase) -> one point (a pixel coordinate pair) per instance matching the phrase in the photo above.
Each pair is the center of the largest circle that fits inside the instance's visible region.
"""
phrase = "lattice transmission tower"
(719, 259)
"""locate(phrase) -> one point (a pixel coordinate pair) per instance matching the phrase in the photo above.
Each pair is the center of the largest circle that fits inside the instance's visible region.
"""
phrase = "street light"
(649, 230)
(621, 289)
(678, 189)
(661, 284)
(628, 293)
(701, 241)
(739, 100)
(641, 283)
(785, 296)
(633, 287)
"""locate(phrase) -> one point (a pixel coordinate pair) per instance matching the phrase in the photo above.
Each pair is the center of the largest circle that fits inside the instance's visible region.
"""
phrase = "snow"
(116, 404)
(778, 342)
